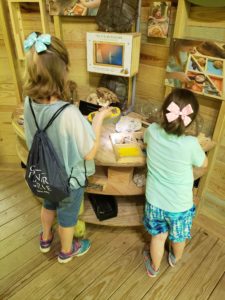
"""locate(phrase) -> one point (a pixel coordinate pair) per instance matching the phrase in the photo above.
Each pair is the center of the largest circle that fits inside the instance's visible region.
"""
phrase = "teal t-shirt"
(71, 135)
(170, 161)
(173, 66)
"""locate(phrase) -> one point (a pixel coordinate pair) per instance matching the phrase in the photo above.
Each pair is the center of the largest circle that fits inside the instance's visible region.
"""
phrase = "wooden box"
(113, 53)
(128, 146)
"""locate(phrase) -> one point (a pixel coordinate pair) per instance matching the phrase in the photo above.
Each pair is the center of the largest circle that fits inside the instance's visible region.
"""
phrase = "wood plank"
(156, 89)
(154, 55)
(20, 222)
(20, 208)
(19, 238)
(23, 268)
(8, 40)
(210, 225)
(202, 283)
(13, 188)
(174, 280)
(8, 177)
(214, 207)
(219, 290)
(139, 283)
(51, 276)
(14, 199)
(217, 179)
(207, 16)
(114, 276)
(95, 264)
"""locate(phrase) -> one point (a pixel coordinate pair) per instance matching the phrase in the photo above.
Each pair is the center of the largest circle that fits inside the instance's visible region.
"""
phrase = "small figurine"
(218, 64)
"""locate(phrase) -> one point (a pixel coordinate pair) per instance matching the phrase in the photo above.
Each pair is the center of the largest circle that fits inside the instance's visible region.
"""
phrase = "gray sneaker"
(148, 264)
(172, 259)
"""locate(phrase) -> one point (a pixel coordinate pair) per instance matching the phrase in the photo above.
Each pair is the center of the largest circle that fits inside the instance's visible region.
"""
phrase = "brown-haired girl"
(73, 138)
(171, 156)
(179, 51)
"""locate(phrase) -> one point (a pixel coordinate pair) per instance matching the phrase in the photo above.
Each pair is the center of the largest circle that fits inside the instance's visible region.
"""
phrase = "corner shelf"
(206, 23)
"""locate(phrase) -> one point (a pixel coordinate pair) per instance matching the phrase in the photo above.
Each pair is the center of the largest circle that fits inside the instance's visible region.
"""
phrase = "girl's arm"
(177, 75)
(91, 4)
(96, 125)
(200, 171)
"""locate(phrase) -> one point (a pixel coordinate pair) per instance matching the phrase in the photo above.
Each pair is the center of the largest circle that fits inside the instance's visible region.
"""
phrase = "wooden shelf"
(130, 212)
(114, 181)
(192, 21)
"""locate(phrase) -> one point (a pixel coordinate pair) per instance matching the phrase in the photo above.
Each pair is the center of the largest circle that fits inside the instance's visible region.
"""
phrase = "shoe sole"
(146, 259)
(170, 262)
(64, 261)
(45, 250)
(150, 274)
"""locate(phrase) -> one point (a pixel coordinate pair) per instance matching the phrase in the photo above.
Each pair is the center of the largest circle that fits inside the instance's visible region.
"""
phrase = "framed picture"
(198, 66)
(158, 20)
(113, 53)
(74, 7)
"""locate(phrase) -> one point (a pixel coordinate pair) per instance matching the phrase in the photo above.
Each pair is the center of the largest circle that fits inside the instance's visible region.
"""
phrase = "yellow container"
(113, 118)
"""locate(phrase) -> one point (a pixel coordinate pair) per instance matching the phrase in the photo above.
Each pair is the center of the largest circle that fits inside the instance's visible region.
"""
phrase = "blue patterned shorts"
(178, 225)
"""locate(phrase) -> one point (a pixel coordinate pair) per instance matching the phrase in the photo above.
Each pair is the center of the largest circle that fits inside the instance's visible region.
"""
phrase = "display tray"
(206, 75)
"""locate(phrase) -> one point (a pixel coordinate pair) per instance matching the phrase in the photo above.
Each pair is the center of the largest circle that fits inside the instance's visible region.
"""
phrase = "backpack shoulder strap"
(52, 118)
(56, 115)
(35, 120)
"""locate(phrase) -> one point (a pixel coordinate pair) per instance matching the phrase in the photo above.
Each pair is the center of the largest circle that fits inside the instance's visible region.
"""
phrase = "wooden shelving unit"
(208, 23)
(193, 20)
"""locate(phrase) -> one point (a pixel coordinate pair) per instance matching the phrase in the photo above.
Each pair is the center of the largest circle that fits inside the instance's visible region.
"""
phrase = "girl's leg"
(68, 211)
(66, 238)
(47, 220)
(157, 245)
(178, 249)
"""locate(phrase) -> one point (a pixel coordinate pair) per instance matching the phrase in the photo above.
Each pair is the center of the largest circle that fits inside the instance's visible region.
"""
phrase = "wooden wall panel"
(8, 102)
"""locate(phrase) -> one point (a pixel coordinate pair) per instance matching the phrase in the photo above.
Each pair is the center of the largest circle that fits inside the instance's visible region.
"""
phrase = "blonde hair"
(46, 72)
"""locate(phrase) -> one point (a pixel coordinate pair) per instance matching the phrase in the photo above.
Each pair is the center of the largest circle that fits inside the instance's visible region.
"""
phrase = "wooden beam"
(9, 49)
(17, 25)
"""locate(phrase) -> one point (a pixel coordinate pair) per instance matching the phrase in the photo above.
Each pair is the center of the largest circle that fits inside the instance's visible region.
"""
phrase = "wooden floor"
(113, 268)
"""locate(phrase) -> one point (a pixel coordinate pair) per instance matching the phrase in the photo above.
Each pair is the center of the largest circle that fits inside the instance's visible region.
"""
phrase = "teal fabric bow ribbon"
(39, 42)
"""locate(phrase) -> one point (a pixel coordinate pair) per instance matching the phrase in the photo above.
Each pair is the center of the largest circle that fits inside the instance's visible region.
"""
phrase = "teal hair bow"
(39, 42)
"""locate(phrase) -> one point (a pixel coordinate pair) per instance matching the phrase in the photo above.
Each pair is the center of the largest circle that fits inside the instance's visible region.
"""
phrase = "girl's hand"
(182, 77)
(104, 112)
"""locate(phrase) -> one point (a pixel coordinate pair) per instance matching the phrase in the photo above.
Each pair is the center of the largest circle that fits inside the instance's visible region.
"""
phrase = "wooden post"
(9, 48)
(218, 132)
(181, 19)
(58, 27)
(17, 25)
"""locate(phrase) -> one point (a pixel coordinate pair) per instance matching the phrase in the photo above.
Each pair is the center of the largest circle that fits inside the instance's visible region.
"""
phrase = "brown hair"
(181, 97)
(178, 44)
(46, 72)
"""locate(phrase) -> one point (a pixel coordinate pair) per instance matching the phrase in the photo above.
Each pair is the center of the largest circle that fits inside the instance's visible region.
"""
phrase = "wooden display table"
(111, 178)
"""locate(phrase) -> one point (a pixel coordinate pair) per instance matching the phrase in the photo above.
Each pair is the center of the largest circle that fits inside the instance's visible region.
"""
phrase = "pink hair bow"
(175, 112)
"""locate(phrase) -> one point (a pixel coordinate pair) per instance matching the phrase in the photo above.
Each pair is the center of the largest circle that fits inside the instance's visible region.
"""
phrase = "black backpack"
(45, 175)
